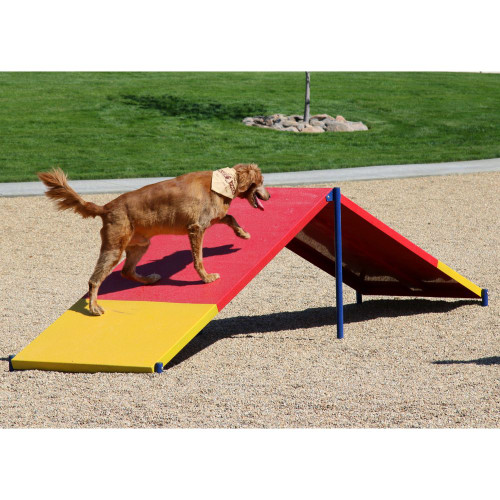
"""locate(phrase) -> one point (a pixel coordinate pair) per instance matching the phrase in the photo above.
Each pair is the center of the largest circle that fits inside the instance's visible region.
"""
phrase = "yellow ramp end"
(459, 278)
(130, 336)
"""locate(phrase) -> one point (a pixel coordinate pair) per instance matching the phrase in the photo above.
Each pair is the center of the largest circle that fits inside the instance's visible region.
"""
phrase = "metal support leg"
(159, 367)
(484, 297)
(11, 357)
(338, 263)
(359, 297)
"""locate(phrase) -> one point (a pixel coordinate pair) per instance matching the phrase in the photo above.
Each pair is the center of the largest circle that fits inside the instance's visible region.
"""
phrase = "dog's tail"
(65, 197)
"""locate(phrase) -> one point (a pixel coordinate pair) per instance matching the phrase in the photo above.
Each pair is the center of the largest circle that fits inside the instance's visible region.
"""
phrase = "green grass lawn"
(110, 125)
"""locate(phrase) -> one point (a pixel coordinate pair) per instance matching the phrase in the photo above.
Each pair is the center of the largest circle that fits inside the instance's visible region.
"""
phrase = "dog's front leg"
(230, 221)
(196, 232)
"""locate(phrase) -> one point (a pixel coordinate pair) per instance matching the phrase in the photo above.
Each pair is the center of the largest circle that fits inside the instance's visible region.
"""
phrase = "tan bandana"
(224, 182)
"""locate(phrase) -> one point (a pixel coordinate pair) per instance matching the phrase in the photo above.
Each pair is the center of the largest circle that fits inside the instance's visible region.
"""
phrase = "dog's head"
(251, 184)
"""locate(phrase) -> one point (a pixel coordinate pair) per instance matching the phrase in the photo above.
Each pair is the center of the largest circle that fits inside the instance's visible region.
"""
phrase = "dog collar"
(224, 182)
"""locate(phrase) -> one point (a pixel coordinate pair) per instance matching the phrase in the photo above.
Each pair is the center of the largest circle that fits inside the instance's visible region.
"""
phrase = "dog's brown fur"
(184, 205)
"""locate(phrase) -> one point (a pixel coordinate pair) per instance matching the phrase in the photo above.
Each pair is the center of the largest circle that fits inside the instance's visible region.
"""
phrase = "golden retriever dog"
(184, 205)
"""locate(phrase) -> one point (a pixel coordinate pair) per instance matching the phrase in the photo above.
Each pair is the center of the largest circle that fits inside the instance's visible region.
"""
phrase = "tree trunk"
(308, 99)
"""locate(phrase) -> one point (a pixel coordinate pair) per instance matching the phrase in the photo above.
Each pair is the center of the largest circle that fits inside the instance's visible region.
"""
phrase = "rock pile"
(295, 123)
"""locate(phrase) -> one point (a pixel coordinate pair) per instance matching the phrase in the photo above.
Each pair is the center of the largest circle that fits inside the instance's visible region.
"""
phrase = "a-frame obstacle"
(144, 327)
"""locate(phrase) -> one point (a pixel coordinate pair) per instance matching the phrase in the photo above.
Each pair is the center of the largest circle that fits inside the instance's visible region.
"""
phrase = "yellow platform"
(131, 336)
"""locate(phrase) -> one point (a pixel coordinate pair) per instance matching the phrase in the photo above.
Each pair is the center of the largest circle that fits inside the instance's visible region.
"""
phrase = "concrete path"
(278, 179)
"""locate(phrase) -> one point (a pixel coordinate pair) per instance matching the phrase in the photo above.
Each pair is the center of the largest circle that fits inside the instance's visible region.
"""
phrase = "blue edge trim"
(158, 366)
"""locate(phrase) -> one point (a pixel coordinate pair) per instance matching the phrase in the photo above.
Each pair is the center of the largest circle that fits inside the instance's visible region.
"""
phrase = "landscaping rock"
(310, 129)
(315, 122)
(295, 123)
(356, 126)
(321, 117)
(335, 126)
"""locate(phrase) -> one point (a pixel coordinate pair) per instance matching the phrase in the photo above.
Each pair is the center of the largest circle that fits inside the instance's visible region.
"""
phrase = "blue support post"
(159, 367)
(359, 297)
(484, 297)
(338, 263)
(11, 357)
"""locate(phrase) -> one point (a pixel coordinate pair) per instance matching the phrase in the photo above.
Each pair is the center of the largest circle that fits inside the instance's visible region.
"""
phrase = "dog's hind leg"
(107, 260)
(230, 221)
(196, 232)
(111, 251)
(134, 253)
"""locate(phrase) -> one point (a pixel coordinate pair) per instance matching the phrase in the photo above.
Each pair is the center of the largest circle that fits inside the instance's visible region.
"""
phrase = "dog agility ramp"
(376, 260)
(144, 327)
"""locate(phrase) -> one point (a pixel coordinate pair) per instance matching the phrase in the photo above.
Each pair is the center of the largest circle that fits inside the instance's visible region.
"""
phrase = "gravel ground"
(270, 359)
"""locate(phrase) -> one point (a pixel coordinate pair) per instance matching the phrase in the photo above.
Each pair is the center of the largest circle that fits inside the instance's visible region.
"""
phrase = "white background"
(270, 35)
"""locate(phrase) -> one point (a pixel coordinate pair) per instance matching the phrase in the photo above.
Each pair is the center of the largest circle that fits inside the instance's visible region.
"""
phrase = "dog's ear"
(247, 174)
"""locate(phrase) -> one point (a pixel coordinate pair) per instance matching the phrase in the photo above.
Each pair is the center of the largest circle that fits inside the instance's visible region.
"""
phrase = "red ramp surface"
(235, 259)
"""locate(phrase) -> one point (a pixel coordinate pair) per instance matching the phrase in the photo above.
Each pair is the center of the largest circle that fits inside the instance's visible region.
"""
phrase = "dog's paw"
(153, 278)
(243, 234)
(96, 310)
(211, 277)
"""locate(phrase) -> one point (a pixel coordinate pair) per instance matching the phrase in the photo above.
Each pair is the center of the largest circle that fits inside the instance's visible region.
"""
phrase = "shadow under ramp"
(315, 317)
